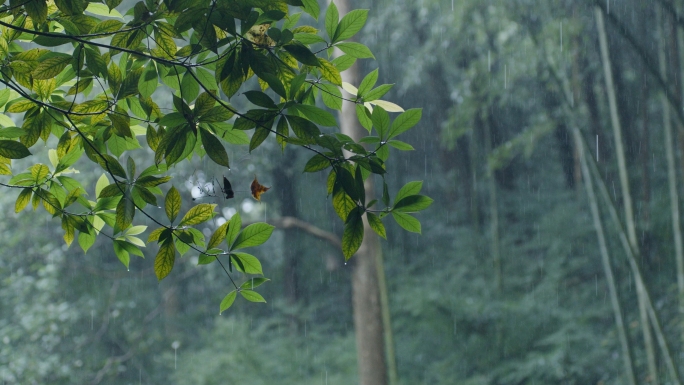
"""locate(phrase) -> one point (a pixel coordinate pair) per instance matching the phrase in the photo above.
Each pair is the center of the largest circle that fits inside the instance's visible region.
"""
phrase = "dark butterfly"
(227, 189)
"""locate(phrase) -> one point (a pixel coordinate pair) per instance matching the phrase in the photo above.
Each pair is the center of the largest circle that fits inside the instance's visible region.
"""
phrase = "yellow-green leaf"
(22, 200)
(376, 224)
(198, 214)
(218, 236)
(352, 237)
(173, 204)
(163, 263)
(51, 67)
(330, 72)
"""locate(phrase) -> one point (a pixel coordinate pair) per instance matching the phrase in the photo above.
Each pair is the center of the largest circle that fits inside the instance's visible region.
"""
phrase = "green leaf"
(308, 38)
(49, 68)
(303, 128)
(13, 150)
(233, 229)
(125, 211)
(315, 114)
(385, 193)
(342, 204)
(355, 50)
(71, 7)
(102, 182)
(23, 199)
(407, 222)
(37, 10)
(367, 83)
(399, 145)
(332, 17)
(312, 8)
(214, 148)
(352, 237)
(260, 134)
(410, 188)
(163, 263)
(86, 240)
(147, 83)
(207, 79)
(218, 236)
(249, 262)
(381, 121)
(350, 24)
(198, 214)
(105, 26)
(260, 99)
(377, 92)
(300, 52)
(254, 282)
(330, 73)
(230, 135)
(98, 66)
(173, 119)
(405, 121)
(103, 10)
(317, 163)
(332, 96)
(227, 301)
(275, 84)
(376, 224)
(343, 62)
(363, 117)
(252, 296)
(173, 204)
(253, 235)
(121, 253)
(218, 114)
(348, 183)
(189, 87)
(413, 203)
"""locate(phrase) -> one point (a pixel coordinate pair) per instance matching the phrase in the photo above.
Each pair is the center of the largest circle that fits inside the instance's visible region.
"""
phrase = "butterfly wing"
(227, 188)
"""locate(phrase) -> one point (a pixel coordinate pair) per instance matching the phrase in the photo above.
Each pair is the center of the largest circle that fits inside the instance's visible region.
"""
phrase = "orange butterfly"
(257, 189)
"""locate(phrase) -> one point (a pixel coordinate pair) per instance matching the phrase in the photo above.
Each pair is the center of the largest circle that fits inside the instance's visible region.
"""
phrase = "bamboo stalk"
(605, 260)
(626, 195)
(631, 255)
(671, 173)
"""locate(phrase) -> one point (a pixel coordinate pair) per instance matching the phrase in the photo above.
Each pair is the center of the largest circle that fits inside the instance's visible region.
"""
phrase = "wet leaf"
(352, 237)
(227, 301)
(173, 204)
(253, 235)
(163, 262)
(252, 296)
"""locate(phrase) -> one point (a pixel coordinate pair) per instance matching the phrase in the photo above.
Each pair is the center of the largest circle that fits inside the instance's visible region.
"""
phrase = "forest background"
(509, 282)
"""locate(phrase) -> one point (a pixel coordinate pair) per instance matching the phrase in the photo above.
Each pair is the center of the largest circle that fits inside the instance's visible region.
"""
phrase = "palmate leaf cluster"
(100, 100)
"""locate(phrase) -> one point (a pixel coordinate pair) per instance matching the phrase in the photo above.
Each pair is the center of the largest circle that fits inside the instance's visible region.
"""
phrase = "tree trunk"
(672, 176)
(494, 246)
(605, 260)
(626, 195)
(366, 299)
(283, 181)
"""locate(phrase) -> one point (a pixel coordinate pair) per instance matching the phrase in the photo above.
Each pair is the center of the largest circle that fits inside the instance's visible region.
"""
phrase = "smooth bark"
(366, 298)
